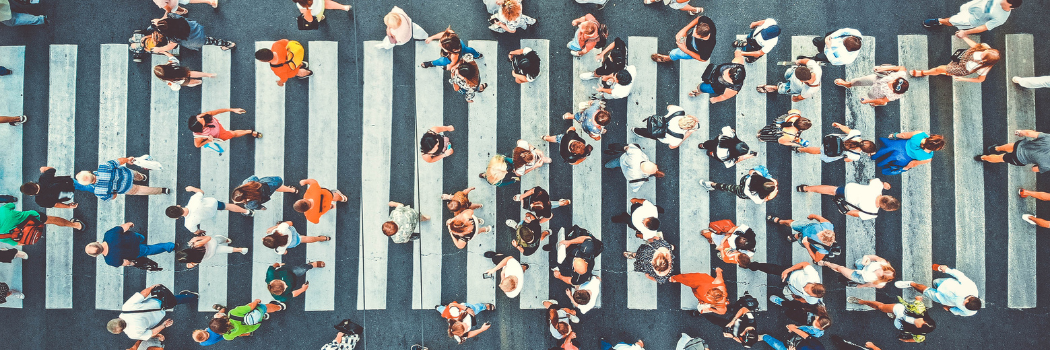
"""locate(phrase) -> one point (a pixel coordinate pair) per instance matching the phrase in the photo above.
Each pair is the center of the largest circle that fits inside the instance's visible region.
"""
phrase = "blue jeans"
(706, 88)
(23, 19)
(152, 249)
(774, 343)
(477, 307)
(444, 61)
(613, 164)
(678, 54)
(607, 346)
(185, 298)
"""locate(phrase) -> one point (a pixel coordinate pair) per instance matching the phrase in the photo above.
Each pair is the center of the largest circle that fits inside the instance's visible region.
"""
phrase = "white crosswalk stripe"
(586, 176)
(641, 103)
(269, 161)
(805, 168)
(694, 211)
(860, 234)
(1020, 115)
(535, 123)
(112, 144)
(750, 112)
(324, 120)
(482, 115)
(62, 106)
(969, 177)
(163, 118)
(375, 177)
(917, 234)
(430, 88)
(213, 275)
(11, 104)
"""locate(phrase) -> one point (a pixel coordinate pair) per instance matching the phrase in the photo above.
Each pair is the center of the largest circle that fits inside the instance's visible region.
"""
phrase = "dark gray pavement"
(89, 23)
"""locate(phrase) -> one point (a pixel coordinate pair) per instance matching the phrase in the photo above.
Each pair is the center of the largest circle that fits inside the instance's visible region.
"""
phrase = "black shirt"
(538, 195)
(714, 76)
(701, 47)
(566, 154)
(54, 189)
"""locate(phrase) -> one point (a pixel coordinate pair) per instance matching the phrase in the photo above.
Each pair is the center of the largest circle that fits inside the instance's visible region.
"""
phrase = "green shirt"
(10, 218)
(284, 275)
(238, 327)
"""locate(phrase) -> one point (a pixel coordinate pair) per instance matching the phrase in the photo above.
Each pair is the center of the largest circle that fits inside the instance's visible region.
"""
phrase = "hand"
(957, 78)
(784, 275)
(451, 128)
(276, 265)
(127, 263)
(238, 110)
(306, 285)
(718, 270)
(960, 34)
(837, 125)
(160, 337)
(428, 40)
(486, 325)
(168, 322)
(280, 83)
(886, 185)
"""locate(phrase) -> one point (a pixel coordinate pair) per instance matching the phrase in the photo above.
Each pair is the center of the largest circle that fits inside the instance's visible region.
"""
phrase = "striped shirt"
(112, 178)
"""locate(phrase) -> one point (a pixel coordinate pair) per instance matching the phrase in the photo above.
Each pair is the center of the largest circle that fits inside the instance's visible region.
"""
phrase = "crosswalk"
(537, 118)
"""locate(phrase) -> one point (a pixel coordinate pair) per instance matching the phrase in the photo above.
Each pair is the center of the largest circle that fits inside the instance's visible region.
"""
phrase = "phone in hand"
(487, 275)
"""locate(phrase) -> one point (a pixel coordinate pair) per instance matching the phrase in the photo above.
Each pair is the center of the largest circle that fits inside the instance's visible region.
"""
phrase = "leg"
(919, 287)
(57, 221)
(622, 218)
(613, 164)
(23, 19)
(772, 269)
(1040, 222)
(137, 176)
(1009, 147)
(332, 5)
(715, 319)
(867, 80)
(286, 189)
(774, 343)
(887, 308)
(300, 270)
(240, 133)
(809, 150)
(235, 208)
(153, 249)
(303, 72)
(1033, 82)
(271, 308)
(10, 119)
(827, 190)
(1043, 196)
(644, 132)
(139, 190)
(185, 298)
(312, 239)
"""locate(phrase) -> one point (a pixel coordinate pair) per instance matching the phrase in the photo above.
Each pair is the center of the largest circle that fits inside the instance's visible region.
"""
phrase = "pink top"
(213, 129)
(173, 3)
(403, 33)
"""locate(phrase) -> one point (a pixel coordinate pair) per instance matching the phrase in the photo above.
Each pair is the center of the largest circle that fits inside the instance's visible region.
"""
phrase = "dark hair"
(220, 325)
(852, 43)
(702, 29)
(659, 174)
(1014, 3)
(451, 204)
(580, 148)
(274, 240)
(602, 117)
(30, 188)
(749, 337)
(934, 143)
(818, 290)
(737, 74)
(190, 255)
(196, 126)
(178, 28)
(170, 72)
(519, 156)
(802, 123)
(864, 145)
(803, 73)
(389, 228)
(247, 192)
(429, 141)
(581, 296)
(469, 72)
(651, 223)
(889, 203)
(450, 42)
(900, 86)
(304, 3)
(264, 55)
(301, 205)
(973, 303)
(744, 242)
(173, 212)
(623, 77)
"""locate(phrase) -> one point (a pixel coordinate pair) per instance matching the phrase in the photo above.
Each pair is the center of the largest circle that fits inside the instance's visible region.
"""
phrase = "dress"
(522, 22)
(349, 342)
(967, 64)
(643, 260)
(407, 219)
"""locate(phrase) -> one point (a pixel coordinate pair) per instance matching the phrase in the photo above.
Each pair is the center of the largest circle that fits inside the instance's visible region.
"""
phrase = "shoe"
(853, 300)
(489, 254)
(306, 65)
(937, 267)
(991, 150)
(82, 225)
(250, 213)
(978, 158)
(480, 221)
(282, 305)
(902, 284)
(776, 299)
(18, 295)
(21, 119)
(22, 255)
(773, 219)
(165, 191)
(931, 23)
(587, 76)
(801, 188)
(1016, 80)
(145, 178)
(511, 223)
(186, 291)
(1028, 218)
(694, 313)
(426, 64)
(707, 185)
(480, 56)
(218, 307)
(244, 251)
(658, 58)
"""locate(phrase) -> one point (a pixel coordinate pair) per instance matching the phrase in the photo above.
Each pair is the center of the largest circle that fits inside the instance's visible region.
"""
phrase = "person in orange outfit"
(286, 59)
(710, 291)
(317, 200)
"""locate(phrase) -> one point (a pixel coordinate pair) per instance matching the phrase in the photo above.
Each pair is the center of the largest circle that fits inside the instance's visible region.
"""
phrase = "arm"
(793, 268)
(916, 163)
(394, 204)
(441, 129)
(679, 38)
(435, 36)
(794, 329)
(576, 240)
(976, 30)
(809, 249)
(876, 102)
(301, 290)
(817, 217)
(254, 304)
(145, 292)
(193, 189)
(905, 135)
(308, 182)
(728, 94)
(310, 17)
(499, 266)
(475, 332)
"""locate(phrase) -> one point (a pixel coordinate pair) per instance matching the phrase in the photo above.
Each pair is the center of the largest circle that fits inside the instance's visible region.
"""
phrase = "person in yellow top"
(317, 200)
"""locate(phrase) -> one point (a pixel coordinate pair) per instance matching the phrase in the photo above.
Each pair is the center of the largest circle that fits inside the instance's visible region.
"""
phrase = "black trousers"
(819, 43)
(772, 269)
(739, 190)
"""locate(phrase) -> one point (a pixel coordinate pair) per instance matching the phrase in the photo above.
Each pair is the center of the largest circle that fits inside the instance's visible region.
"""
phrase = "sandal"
(694, 93)
(82, 225)
(320, 264)
(21, 119)
(230, 47)
(773, 219)
(345, 198)
(489, 307)
(481, 88)
(630, 255)
(183, 11)
(257, 134)
(916, 73)
(326, 238)
(800, 188)
(567, 202)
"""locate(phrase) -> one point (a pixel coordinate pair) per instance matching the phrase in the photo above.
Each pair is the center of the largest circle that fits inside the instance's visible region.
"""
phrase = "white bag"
(147, 162)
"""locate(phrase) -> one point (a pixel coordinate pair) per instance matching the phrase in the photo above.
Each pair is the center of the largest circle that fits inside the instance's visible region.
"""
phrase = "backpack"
(657, 125)
(27, 232)
(773, 132)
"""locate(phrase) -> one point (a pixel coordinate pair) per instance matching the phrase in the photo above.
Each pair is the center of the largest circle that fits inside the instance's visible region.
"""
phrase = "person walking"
(589, 33)
(802, 282)
(861, 201)
(462, 317)
(592, 117)
(121, 247)
(710, 291)
(905, 150)
(12, 15)
(1032, 82)
(572, 148)
(695, 41)
(317, 200)
(847, 146)
(207, 128)
(888, 84)
(742, 327)
(732, 243)
(802, 81)
(560, 319)
(727, 148)
(525, 65)
(912, 319)
(976, 16)
(460, 201)
(978, 59)
(681, 5)
(175, 6)
(12, 219)
(838, 48)
(464, 226)
(400, 29)
(671, 129)
(177, 76)
(256, 191)
(114, 177)
(817, 237)
(801, 338)
(723, 81)
(200, 209)
(757, 185)
(50, 191)
(202, 248)
(871, 271)
(643, 218)
(616, 85)
(763, 37)
(174, 30)
(244, 320)
(635, 165)
(452, 50)
(435, 145)
(7, 292)
(313, 10)
(654, 259)
(287, 59)
(401, 228)
(787, 130)
(285, 283)
(511, 273)
(527, 158)
(466, 80)
(957, 293)
(576, 254)
(538, 201)
(284, 236)
(613, 58)
(507, 17)
(1032, 149)
(585, 296)
(142, 315)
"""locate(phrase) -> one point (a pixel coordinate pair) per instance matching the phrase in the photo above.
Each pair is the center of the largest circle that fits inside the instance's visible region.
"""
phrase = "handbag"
(957, 56)
(166, 297)
(349, 327)
(307, 25)
(145, 263)
(844, 207)
(27, 232)
(147, 162)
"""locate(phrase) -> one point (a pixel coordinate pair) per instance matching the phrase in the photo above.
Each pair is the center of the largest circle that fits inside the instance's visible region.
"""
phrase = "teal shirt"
(10, 218)
(284, 275)
(914, 147)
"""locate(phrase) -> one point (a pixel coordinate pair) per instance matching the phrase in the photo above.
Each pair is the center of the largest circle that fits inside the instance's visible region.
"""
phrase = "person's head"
(743, 260)
(522, 156)
(450, 41)
(302, 205)
(511, 10)
(190, 255)
(888, 203)
(175, 211)
(1009, 5)
(116, 326)
(735, 75)
(580, 265)
(277, 287)
(651, 223)
(508, 284)
(815, 289)
(715, 295)
(770, 32)
(899, 85)
(459, 226)
(580, 148)
(457, 328)
(803, 74)
(650, 168)
(822, 319)
(933, 143)
(274, 240)
(389, 228)
(827, 237)
(702, 30)
(194, 124)
(170, 72)
(176, 28)
(30, 188)
(749, 336)
(304, 3)
(537, 206)
(201, 335)
(581, 296)
(602, 117)
(94, 249)
(745, 242)
(247, 192)
(802, 123)
(562, 328)
(988, 56)
(865, 146)
(220, 325)
(688, 122)
(852, 43)
(624, 77)
(469, 72)
(392, 20)
(430, 143)
(526, 234)
(453, 205)
(885, 274)
(662, 262)
(588, 28)
(264, 55)
(973, 303)
(85, 178)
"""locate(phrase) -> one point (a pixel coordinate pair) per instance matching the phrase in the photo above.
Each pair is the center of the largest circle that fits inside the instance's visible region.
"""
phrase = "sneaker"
(218, 307)
(587, 76)
(22, 255)
(186, 291)
(250, 213)
(480, 56)
(21, 119)
(978, 158)
(776, 299)
(991, 150)
(708, 185)
(902, 284)
(489, 254)
(1016, 80)
(853, 300)
(244, 251)
(306, 65)
(165, 190)
(931, 23)
(282, 305)
(480, 221)
(511, 223)
(1028, 218)
(17, 294)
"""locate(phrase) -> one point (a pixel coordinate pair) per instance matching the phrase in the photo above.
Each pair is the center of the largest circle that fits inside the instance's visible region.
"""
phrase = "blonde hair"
(509, 284)
(85, 178)
(392, 20)
(829, 234)
(97, 247)
(511, 10)
(200, 336)
(687, 123)
(116, 326)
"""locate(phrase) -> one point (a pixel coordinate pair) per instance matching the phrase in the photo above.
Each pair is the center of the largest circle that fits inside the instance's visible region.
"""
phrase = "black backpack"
(657, 125)
(833, 146)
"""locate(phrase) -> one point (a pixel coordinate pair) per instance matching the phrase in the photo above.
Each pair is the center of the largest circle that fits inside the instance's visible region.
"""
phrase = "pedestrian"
(635, 165)
(695, 41)
(206, 336)
(589, 34)
(511, 273)
(313, 10)
(757, 185)
(403, 223)
(905, 150)
(121, 247)
(14, 121)
(528, 158)
(888, 83)
(460, 201)
(671, 129)
(143, 313)
(814, 317)
(1033, 148)
(538, 201)
(50, 191)
(861, 201)
(12, 17)
(723, 81)
(462, 318)
(525, 65)
(572, 148)
(287, 59)
(466, 80)
(453, 50)
(1025, 82)
(177, 76)
(7, 255)
(114, 177)
(560, 319)
(207, 128)
(507, 18)
(638, 345)
(761, 40)
(285, 283)
(175, 6)
(202, 248)
(912, 319)
(613, 58)
(200, 209)
(838, 48)
(464, 226)
(435, 145)
(817, 237)
(643, 217)
(978, 59)
(585, 296)
(345, 340)
(244, 320)
(616, 85)
(801, 338)
(689, 343)
(24, 227)
(654, 259)
(1029, 218)
(957, 293)
(733, 244)
(802, 282)
(174, 30)
(499, 172)
(787, 130)
(7, 292)
(317, 200)
(575, 256)
(456, 311)
(154, 343)
(847, 146)
(681, 5)
(284, 236)
(710, 291)
(256, 191)
(400, 29)
(727, 148)
(871, 271)
(802, 81)
(593, 118)
(527, 234)
(977, 16)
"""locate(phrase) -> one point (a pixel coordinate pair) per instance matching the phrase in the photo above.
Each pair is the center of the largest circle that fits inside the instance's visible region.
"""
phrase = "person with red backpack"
(25, 227)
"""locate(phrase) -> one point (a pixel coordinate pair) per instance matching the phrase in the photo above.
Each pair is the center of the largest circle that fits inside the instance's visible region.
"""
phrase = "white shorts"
(677, 5)
(898, 315)
(963, 20)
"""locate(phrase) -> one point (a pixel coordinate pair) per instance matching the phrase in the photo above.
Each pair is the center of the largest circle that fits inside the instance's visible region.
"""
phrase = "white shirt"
(594, 285)
(200, 209)
(621, 91)
(139, 325)
(836, 51)
(766, 44)
(315, 10)
(513, 268)
(853, 155)
(536, 159)
(797, 281)
(723, 153)
(865, 197)
(647, 210)
(980, 12)
(868, 272)
(805, 90)
(282, 229)
(627, 347)
(953, 292)
(672, 126)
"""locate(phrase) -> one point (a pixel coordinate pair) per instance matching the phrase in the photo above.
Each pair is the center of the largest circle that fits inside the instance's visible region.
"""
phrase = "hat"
(770, 32)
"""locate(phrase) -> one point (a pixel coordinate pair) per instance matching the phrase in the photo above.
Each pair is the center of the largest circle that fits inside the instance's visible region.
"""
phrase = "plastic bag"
(146, 162)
